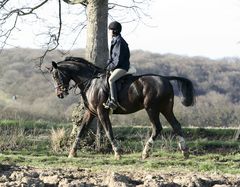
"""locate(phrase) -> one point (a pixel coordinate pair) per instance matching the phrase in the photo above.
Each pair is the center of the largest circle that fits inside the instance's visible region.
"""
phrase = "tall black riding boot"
(112, 100)
(113, 93)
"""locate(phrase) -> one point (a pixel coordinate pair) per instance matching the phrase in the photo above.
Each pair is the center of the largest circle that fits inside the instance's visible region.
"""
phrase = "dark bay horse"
(151, 92)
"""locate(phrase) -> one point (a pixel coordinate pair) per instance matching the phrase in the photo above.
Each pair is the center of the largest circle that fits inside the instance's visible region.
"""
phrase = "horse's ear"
(54, 65)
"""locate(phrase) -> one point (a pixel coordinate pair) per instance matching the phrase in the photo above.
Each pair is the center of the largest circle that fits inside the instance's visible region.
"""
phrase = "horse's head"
(61, 80)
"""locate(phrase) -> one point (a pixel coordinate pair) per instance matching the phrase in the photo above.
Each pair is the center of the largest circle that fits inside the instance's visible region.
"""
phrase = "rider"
(118, 63)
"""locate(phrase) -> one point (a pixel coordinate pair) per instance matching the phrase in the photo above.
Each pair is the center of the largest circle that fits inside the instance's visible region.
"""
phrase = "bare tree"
(96, 12)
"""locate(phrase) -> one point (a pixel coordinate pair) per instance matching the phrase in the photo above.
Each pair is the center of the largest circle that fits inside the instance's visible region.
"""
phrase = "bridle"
(60, 87)
(63, 89)
(86, 83)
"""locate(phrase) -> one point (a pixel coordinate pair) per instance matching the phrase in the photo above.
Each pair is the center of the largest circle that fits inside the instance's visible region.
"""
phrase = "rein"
(83, 83)
(86, 84)
(60, 84)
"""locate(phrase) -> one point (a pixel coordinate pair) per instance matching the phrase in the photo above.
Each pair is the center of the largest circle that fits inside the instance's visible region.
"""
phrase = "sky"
(209, 28)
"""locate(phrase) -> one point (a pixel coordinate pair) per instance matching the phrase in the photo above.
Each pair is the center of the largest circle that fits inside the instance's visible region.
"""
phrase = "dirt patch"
(28, 176)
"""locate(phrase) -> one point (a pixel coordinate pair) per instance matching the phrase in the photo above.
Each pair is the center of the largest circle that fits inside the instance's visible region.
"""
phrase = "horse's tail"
(186, 88)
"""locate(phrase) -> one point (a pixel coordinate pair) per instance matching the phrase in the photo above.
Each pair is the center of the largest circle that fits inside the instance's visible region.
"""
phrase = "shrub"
(12, 138)
(58, 140)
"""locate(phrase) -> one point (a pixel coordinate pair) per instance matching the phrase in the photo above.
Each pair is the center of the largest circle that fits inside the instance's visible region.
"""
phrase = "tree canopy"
(63, 21)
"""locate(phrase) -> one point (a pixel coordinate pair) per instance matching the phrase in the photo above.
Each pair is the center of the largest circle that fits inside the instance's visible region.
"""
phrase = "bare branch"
(73, 2)
(134, 10)
(82, 27)
(3, 3)
(7, 34)
(53, 37)
(122, 6)
(10, 14)
(29, 10)
(6, 17)
(24, 10)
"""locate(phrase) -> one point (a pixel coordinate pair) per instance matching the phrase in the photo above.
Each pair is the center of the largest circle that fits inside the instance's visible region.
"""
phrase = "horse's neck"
(79, 72)
(83, 74)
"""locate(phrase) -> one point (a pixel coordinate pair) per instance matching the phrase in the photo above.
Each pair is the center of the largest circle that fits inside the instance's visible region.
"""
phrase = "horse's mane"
(83, 61)
(77, 59)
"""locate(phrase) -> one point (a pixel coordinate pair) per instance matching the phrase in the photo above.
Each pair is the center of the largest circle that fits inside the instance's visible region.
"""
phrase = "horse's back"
(142, 91)
(155, 86)
(144, 85)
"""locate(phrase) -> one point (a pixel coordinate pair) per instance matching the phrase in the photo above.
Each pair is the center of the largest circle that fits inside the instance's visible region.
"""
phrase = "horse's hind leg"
(178, 131)
(156, 129)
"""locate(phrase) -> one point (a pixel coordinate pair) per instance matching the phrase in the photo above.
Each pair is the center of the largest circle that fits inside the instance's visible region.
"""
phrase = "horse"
(151, 92)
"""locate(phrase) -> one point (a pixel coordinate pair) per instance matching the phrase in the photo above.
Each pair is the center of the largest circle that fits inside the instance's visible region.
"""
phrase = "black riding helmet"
(115, 26)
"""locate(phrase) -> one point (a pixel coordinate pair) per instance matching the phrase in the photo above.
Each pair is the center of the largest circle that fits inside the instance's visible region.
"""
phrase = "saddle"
(121, 84)
(123, 80)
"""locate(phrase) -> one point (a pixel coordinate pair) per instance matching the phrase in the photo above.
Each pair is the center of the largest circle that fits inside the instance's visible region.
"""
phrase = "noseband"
(60, 87)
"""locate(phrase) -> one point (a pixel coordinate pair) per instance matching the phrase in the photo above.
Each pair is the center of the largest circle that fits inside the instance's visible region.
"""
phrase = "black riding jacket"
(119, 54)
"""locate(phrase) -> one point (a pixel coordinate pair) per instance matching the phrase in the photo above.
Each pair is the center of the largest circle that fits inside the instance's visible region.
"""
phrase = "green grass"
(209, 133)
(41, 126)
(159, 161)
(213, 150)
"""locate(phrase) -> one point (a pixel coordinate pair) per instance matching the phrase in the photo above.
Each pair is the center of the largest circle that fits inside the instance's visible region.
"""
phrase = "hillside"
(28, 93)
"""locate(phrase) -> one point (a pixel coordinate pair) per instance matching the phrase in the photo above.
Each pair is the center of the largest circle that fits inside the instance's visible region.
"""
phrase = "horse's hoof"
(145, 156)
(185, 153)
(117, 156)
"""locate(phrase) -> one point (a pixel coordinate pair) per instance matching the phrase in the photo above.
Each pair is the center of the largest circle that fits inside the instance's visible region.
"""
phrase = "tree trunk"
(97, 42)
(97, 20)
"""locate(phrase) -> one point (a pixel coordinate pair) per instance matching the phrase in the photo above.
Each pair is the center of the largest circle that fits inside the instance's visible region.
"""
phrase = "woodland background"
(26, 93)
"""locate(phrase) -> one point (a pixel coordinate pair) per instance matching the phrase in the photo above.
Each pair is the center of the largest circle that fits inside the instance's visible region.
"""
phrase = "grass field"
(29, 143)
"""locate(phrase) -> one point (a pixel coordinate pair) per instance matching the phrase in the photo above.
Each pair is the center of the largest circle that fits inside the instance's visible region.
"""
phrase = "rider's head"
(116, 28)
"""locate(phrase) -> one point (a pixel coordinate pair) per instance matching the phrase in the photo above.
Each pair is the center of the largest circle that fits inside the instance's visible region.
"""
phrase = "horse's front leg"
(103, 116)
(87, 119)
